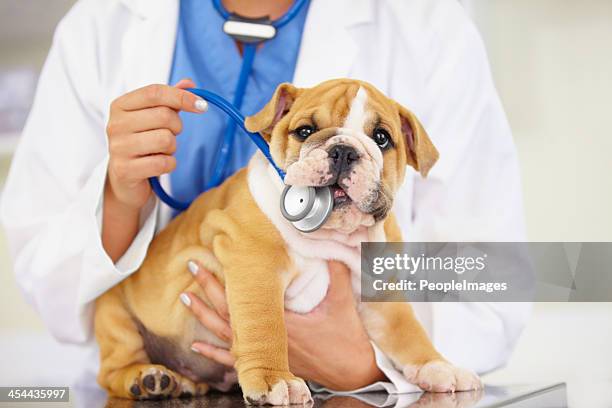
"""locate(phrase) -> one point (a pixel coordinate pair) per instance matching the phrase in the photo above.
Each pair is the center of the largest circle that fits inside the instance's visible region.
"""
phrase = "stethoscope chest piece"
(307, 208)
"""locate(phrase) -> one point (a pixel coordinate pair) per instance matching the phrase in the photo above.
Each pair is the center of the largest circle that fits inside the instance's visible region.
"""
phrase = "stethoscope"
(306, 207)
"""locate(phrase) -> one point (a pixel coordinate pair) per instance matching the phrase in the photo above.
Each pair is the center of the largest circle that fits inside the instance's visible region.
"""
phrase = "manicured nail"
(185, 299)
(193, 267)
(201, 105)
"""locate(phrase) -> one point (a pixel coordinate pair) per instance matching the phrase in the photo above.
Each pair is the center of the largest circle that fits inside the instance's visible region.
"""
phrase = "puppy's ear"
(265, 120)
(421, 154)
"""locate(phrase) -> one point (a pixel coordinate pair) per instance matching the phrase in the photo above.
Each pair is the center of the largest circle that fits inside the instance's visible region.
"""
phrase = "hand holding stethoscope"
(307, 208)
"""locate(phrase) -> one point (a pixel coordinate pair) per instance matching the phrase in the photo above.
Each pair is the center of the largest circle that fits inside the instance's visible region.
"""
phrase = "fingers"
(208, 317)
(122, 123)
(143, 167)
(185, 83)
(211, 319)
(339, 274)
(217, 354)
(158, 141)
(141, 132)
(214, 291)
(159, 117)
(340, 285)
(160, 95)
(202, 104)
(335, 266)
(339, 295)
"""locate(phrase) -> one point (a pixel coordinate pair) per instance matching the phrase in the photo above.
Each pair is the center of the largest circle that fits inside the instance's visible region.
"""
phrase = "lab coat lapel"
(328, 49)
(148, 47)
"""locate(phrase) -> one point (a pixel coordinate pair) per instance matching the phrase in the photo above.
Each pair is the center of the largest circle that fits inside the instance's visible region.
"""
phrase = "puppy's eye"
(382, 138)
(303, 132)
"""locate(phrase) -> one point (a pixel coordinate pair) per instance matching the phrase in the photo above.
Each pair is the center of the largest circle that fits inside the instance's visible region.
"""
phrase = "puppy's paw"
(187, 389)
(440, 376)
(151, 382)
(263, 387)
(148, 381)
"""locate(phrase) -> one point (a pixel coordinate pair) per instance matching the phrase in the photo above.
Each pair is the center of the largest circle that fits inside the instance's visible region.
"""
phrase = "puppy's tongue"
(338, 193)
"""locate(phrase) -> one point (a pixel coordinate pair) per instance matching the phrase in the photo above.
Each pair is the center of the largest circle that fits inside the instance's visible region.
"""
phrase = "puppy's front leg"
(255, 295)
(395, 329)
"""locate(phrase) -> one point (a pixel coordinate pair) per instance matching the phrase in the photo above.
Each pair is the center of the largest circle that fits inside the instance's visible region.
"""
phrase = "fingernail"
(201, 105)
(193, 267)
(194, 349)
(185, 299)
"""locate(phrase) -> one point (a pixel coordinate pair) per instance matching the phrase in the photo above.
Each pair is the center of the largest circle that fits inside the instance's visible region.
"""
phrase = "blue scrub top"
(204, 53)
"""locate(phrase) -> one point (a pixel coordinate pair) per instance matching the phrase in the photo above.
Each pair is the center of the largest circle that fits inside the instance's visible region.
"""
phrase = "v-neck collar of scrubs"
(271, 57)
(211, 58)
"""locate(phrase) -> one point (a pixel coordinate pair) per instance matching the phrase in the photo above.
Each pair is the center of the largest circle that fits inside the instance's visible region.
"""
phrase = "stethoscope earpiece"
(307, 208)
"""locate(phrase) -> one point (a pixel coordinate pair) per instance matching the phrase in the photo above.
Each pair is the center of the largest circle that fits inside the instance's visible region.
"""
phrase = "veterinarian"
(79, 213)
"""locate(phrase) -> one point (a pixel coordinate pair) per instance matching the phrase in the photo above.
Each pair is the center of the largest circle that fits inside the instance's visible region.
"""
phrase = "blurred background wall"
(552, 63)
(26, 29)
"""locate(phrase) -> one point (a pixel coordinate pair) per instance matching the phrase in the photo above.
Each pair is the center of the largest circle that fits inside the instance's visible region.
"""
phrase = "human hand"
(323, 344)
(141, 130)
(329, 345)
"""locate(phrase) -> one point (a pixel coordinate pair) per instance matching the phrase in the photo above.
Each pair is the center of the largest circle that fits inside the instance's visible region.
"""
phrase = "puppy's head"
(348, 135)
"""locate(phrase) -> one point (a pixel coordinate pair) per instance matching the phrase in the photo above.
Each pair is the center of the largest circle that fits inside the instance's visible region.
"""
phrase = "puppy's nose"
(343, 157)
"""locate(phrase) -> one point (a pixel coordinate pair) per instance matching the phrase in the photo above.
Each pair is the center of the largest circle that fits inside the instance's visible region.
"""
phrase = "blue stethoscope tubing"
(233, 111)
(236, 119)
(223, 155)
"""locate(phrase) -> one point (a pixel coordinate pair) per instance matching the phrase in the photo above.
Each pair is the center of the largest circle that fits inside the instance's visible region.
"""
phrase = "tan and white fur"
(238, 233)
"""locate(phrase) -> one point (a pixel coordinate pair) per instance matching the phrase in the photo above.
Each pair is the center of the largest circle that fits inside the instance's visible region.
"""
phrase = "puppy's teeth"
(339, 193)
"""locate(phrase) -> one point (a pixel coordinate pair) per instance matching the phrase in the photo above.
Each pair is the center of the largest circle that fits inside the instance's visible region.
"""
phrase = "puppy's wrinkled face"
(347, 135)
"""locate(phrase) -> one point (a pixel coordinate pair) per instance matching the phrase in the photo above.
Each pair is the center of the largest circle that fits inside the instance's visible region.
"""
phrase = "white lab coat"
(426, 54)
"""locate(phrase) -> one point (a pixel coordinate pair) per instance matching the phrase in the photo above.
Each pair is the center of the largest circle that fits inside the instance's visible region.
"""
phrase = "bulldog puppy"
(342, 133)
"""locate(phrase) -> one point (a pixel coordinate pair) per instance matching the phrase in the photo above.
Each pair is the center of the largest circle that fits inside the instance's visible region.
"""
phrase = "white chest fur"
(309, 252)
